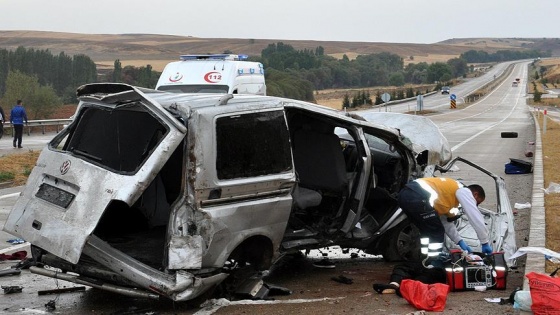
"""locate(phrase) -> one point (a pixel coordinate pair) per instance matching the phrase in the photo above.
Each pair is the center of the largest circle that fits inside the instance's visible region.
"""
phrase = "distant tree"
(346, 101)
(458, 66)
(396, 79)
(146, 77)
(378, 99)
(368, 98)
(117, 71)
(537, 95)
(409, 92)
(40, 101)
(439, 71)
(287, 84)
(355, 101)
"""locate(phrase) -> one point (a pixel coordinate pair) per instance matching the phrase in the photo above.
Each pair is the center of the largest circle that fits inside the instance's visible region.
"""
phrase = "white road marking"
(9, 195)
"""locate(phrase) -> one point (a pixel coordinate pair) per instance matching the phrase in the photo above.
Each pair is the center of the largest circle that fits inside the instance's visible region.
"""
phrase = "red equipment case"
(491, 272)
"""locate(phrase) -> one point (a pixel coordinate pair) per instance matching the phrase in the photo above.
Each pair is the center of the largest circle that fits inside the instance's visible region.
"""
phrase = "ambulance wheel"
(402, 243)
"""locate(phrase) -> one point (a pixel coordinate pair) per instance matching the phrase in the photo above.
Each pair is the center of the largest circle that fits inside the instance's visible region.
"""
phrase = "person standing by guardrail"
(2, 121)
(17, 117)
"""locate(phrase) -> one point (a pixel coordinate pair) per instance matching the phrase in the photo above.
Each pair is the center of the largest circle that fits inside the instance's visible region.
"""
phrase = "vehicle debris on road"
(9, 272)
(12, 289)
(61, 290)
(19, 255)
(343, 279)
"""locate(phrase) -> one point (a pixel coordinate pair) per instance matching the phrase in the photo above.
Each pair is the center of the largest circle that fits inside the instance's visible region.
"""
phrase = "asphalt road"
(474, 133)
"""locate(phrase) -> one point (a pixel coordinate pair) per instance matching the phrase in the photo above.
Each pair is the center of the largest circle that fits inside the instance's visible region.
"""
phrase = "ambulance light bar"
(214, 57)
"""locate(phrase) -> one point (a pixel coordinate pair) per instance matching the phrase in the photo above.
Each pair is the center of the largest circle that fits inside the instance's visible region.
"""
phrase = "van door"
(110, 154)
(329, 175)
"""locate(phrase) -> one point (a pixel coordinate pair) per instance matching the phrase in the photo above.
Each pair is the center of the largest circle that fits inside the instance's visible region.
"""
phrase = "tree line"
(313, 70)
(45, 80)
(42, 80)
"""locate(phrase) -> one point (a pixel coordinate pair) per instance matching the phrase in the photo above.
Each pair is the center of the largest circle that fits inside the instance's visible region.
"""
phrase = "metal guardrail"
(58, 123)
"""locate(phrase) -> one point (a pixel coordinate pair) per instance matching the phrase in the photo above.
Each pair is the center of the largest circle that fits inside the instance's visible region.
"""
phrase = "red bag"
(545, 293)
(427, 297)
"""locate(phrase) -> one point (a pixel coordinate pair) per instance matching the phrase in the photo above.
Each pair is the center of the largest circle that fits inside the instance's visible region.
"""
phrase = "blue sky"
(396, 21)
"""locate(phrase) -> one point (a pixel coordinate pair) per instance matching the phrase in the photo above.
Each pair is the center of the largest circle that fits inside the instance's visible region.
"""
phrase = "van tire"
(402, 243)
(509, 134)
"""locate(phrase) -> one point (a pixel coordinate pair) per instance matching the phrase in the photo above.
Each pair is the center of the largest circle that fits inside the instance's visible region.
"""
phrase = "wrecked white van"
(151, 194)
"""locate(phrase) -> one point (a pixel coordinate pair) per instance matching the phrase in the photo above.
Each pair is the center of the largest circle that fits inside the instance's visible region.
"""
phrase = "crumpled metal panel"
(421, 131)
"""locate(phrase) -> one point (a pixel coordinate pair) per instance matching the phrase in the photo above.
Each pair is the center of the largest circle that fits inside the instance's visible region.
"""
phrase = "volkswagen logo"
(65, 167)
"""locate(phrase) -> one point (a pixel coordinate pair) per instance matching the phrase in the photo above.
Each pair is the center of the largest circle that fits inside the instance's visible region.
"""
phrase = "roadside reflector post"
(544, 121)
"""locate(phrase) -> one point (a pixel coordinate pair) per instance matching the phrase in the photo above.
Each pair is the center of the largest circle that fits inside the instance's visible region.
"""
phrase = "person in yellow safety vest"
(431, 204)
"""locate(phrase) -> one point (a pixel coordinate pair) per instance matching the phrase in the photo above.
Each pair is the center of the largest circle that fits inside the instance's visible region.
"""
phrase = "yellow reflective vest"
(442, 193)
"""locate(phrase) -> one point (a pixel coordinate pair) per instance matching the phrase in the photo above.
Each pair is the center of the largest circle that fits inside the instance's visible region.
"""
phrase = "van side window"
(251, 145)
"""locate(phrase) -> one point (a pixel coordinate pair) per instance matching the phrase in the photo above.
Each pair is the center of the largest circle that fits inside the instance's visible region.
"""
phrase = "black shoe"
(20, 147)
(14, 144)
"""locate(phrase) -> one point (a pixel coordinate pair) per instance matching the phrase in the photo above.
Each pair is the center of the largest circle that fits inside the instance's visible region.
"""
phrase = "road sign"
(453, 96)
(453, 104)
(385, 97)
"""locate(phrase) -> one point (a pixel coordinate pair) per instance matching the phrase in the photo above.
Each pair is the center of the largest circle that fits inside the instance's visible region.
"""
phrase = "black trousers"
(18, 133)
(414, 201)
(416, 271)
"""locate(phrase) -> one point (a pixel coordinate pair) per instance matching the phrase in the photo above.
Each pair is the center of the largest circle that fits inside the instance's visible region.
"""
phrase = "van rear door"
(110, 153)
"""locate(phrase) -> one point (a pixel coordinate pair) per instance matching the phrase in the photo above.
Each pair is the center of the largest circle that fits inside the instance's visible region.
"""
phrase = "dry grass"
(157, 65)
(20, 165)
(551, 160)
(430, 58)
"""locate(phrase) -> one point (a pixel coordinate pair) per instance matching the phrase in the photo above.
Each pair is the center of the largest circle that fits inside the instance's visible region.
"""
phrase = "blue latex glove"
(464, 246)
(487, 249)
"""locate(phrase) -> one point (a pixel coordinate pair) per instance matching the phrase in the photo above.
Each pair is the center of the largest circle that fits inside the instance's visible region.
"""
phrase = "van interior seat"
(319, 163)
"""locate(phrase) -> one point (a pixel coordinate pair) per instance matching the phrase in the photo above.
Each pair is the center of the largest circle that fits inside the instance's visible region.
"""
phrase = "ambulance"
(217, 73)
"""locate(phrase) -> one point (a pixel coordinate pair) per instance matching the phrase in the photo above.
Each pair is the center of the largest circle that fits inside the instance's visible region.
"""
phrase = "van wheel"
(402, 243)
